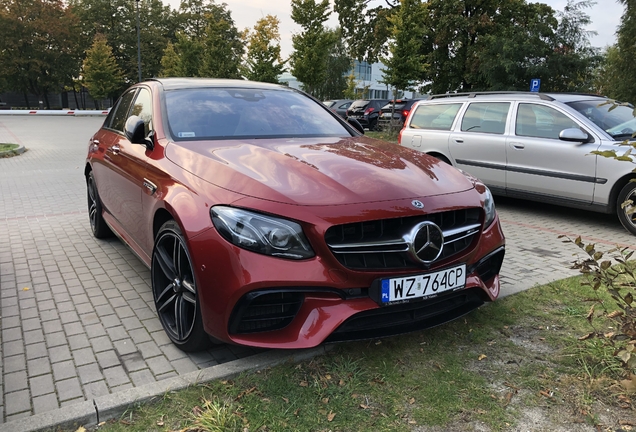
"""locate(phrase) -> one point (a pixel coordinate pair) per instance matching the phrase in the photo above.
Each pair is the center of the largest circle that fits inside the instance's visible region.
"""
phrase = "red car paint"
(316, 182)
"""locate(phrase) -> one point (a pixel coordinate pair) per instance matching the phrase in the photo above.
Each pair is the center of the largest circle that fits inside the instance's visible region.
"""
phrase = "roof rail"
(482, 93)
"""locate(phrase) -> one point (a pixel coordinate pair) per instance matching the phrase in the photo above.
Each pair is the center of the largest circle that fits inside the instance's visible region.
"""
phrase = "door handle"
(459, 140)
(115, 149)
(518, 146)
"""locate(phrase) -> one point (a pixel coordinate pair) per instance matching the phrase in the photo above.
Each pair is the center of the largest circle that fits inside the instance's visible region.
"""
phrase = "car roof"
(190, 83)
(513, 95)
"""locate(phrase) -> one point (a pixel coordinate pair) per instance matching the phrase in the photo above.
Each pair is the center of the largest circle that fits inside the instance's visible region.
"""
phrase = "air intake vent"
(380, 244)
(265, 311)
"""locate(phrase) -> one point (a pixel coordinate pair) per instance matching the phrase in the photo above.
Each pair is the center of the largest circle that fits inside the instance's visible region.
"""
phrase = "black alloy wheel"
(174, 290)
(98, 224)
(626, 213)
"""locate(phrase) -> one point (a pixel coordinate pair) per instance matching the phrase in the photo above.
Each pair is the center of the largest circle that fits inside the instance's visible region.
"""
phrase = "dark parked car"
(366, 111)
(400, 113)
(339, 106)
(267, 221)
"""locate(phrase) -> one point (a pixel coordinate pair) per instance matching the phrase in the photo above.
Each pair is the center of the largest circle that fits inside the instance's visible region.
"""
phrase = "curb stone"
(14, 152)
(94, 411)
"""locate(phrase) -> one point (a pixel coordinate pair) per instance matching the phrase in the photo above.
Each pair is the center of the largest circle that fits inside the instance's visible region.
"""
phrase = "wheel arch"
(616, 190)
(87, 170)
(440, 156)
(161, 216)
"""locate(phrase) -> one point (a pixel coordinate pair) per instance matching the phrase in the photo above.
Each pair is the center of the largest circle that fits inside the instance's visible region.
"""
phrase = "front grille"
(380, 244)
(405, 318)
(265, 311)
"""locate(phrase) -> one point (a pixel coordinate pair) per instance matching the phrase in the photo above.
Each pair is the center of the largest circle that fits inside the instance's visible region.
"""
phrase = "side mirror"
(356, 125)
(574, 135)
(136, 131)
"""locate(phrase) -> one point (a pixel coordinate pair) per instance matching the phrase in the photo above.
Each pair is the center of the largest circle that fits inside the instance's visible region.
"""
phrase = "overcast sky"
(605, 17)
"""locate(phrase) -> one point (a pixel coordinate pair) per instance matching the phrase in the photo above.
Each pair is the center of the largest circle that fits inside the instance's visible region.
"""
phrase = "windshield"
(222, 113)
(398, 106)
(620, 122)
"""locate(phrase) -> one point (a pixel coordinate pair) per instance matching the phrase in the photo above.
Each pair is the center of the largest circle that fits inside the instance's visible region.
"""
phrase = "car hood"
(318, 171)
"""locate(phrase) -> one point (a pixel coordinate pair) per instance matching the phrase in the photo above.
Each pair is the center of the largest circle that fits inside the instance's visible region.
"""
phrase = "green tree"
(263, 62)
(38, 46)
(338, 64)
(405, 64)
(620, 81)
(222, 49)
(311, 46)
(116, 19)
(350, 89)
(100, 73)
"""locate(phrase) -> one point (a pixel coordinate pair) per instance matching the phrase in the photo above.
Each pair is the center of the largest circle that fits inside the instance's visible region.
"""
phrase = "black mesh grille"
(405, 318)
(374, 257)
(259, 312)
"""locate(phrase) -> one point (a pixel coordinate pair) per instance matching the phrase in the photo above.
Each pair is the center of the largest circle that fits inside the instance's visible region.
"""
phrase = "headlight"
(489, 208)
(264, 234)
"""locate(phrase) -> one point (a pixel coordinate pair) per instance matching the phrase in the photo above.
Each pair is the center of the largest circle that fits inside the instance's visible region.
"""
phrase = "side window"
(143, 108)
(541, 121)
(486, 117)
(435, 116)
(345, 105)
(121, 112)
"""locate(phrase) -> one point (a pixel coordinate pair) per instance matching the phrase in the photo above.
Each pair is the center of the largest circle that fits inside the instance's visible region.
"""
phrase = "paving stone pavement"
(77, 315)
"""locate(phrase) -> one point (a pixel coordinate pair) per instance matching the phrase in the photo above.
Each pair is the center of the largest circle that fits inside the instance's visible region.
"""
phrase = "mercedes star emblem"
(426, 242)
(417, 204)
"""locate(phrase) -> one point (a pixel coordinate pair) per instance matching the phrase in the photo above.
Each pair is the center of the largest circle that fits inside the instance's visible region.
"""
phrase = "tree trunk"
(77, 105)
(26, 100)
(46, 99)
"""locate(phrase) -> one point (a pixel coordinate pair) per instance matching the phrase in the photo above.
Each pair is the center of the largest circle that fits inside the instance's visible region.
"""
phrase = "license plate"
(422, 286)
(386, 115)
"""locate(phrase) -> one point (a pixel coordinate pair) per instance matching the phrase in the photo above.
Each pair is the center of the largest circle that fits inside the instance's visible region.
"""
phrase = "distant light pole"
(138, 43)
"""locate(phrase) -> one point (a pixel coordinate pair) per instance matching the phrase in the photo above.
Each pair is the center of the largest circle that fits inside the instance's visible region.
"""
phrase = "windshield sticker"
(186, 134)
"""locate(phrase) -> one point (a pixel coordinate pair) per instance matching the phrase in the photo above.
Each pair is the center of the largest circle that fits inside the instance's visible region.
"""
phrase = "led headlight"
(489, 208)
(261, 233)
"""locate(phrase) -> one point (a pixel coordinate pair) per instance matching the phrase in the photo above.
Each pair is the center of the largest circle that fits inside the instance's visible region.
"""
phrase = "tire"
(174, 290)
(628, 220)
(99, 227)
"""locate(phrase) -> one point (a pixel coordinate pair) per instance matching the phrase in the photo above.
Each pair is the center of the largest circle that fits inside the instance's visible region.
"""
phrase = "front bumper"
(261, 301)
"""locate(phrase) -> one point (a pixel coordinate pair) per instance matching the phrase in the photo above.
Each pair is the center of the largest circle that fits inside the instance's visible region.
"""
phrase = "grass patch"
(383, 135)
(7, 147)
(492, 368)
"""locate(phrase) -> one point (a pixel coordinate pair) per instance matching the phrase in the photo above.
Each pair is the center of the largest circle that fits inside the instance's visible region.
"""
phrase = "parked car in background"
(534, 146)
(266, 220)
(366, 111)
(339, 106)
(400, 113)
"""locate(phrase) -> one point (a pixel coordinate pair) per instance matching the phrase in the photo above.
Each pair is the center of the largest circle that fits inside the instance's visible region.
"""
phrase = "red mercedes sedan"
(267, 220)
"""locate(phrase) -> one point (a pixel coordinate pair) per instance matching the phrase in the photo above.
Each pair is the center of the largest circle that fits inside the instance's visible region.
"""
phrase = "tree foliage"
(38, 47)
(100, 73)
(478, 44)
(263, 61)
(312, 45)
(207, 45)
(405, 64)
(617, 74)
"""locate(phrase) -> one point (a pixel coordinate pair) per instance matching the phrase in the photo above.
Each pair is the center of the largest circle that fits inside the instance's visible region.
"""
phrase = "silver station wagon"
(534, 146)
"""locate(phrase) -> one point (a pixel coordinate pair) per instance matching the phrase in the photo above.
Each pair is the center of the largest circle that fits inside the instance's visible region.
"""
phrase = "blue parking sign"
(535, 85)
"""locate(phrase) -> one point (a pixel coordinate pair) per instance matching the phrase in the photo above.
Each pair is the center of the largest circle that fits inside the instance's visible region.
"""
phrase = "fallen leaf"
(626, 423)
(304, 384)
(286, 400)
(296, 412)
(492, 396)
(586, 337)
(325, 400)
(507, 384)
(481, 411)
(508, 397)
(412, 401)
(481, 357)
(378, 342)
(341, 383)
(328, 376)
(546, 394)
(363, 406)
(412, 422)
(197, 411)
(590, 314)
(81, 428)
(629, 384)
(26, 289)
(330, 416)
(615, 314)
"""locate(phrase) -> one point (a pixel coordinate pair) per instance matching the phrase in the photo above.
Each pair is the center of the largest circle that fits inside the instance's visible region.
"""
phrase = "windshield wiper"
(622, 135)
